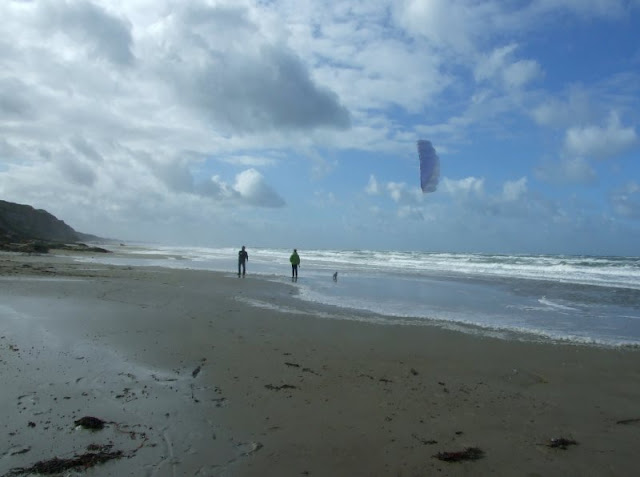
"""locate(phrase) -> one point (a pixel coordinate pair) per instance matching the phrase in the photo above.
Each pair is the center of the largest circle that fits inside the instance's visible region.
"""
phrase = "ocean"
(571, 299)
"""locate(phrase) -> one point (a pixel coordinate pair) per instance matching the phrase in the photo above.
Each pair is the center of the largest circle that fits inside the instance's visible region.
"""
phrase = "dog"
(335, 277)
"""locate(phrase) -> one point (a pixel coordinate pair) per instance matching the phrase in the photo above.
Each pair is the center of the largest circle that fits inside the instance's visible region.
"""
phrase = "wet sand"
(192, 379)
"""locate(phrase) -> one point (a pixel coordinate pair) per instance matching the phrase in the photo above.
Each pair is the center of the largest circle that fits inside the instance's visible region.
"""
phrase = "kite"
(429, 166)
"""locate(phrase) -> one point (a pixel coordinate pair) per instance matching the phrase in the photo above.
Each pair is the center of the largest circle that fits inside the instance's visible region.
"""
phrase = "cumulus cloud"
(468, 200)
(499, 65)
(601, 142)
(625, 200)
(15, 101)
(448, 23)
(84, 148)
(221, 61)
(521, 72)
(253, 189)
(372, 187)
(564, 112)
(249, 160)
(514, 190)
(248, 188)
(464, 25)
(89, 27)
(267, 91)
(174, 174)
(217, 188)
(399, 192)
(124, 96)
(466, 188)
(568, 170)
(9, 153)
(240, 77)
(410, 212)
(370, 69)
(511, 199)
(77, 171)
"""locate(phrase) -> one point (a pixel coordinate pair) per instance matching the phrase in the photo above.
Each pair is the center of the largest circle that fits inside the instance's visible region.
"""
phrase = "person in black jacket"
(243, 258)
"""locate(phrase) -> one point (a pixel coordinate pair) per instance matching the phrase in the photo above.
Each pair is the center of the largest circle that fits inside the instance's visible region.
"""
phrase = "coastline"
(200, 382)
(588, 300)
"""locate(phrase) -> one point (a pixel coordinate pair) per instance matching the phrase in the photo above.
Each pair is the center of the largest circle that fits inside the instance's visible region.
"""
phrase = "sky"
(293, 123)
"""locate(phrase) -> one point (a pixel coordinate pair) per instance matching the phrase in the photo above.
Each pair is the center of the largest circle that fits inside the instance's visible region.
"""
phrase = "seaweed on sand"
(628, 421)
(56, 466)
(278, 388)
(97, 453)
(561, 443)
(470, 453)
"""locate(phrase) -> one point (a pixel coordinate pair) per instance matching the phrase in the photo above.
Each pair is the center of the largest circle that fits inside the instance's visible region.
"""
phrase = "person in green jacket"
(295, 262)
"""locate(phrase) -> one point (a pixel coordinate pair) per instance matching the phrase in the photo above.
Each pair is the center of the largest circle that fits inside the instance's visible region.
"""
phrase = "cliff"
(23, 228)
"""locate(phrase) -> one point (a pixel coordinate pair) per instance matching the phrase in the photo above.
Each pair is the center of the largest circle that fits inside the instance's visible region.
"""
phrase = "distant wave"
(547, 302)
(616, 272)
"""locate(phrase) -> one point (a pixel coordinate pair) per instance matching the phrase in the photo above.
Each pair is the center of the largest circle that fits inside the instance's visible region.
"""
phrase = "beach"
(191, 379)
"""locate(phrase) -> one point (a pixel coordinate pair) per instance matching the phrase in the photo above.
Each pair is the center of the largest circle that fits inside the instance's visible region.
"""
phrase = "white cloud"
(401, 193)
(77, 171)
(512, 199)
(521, 72)
(253, 189)
(601, 142)
(370, 67)
(248, 160)
(446, 23)
(397, 190)
(467, 25)
(464, 188)
(570, 170)
(565, 113)
(410, 212)
(499, 65)
(88, 26)
(625, 200)
(372, 187)
(107, 96)
(514, 190)
(491, 65)
(217, 188)
(242, 78)
(321, 167)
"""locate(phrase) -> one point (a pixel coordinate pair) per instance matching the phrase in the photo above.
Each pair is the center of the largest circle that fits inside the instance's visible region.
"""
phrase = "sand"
(191, 379)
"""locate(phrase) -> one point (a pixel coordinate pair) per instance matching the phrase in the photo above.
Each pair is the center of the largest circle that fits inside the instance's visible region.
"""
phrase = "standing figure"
(243, 258)
(295, 262)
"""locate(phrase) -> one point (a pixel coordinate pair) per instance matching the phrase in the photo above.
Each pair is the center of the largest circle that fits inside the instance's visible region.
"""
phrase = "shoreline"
(210, 385)
(520, 308)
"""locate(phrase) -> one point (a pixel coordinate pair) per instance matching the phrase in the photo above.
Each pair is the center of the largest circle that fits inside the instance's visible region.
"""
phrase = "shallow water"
(576, 299)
